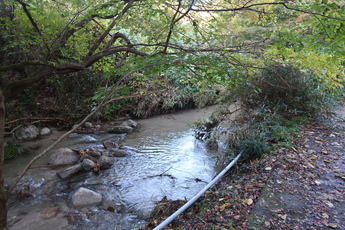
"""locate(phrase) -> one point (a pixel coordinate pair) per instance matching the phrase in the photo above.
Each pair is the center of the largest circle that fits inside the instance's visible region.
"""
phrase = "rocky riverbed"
(158, 158)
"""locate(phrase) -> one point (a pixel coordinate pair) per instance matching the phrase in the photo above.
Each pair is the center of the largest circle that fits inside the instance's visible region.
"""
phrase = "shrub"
(253, 148)
(286, 90)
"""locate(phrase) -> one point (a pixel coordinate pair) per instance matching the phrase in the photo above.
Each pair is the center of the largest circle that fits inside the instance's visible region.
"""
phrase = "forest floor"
(302, 187)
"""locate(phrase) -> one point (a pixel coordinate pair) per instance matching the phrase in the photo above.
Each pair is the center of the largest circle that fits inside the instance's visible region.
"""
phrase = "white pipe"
(191, 201)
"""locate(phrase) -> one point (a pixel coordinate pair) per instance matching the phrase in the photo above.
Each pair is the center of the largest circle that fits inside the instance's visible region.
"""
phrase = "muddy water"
(164, 161)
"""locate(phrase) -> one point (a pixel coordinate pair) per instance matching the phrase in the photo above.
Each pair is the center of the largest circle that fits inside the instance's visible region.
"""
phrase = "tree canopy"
(54, 37)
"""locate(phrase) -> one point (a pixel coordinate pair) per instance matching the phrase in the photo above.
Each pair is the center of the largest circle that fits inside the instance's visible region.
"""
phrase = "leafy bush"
(253, 148)
(286, 90)
(276, 128)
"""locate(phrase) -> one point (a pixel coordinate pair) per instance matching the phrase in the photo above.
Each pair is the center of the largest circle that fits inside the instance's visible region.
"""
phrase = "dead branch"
(47, 166)
(34, 118)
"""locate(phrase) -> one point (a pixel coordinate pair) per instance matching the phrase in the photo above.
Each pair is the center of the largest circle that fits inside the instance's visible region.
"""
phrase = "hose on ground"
(197, 196)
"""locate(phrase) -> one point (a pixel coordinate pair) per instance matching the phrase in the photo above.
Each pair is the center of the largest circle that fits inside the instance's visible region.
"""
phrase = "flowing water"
(165, 160)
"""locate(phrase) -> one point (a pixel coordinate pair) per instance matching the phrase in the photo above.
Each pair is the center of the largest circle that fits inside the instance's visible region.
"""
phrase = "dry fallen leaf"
(283, 217)
(325, 151)
(329, 204)
(237, 217)
(319, 139)
(313, 157)
(224, 206)
(248, 201)
(335, 144)
(310, 165)
(331, 225)
(324, 215)
(317, 182)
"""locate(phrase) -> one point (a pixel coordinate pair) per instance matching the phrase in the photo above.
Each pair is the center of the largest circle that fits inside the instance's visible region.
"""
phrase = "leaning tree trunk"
(3, 193)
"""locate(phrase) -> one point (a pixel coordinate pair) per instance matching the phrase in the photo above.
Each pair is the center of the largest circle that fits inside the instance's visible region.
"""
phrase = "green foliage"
(11, 150)
(211, 56)
(252, 148)
(275, 128)
(287, 91)
(173, 95)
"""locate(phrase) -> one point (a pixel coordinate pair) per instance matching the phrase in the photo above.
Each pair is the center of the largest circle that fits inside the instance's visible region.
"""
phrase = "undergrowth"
(275, 104)
(11, 150)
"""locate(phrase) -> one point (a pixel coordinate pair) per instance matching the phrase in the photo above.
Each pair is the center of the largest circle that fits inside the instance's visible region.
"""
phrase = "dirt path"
(298, 188)
(307, 187)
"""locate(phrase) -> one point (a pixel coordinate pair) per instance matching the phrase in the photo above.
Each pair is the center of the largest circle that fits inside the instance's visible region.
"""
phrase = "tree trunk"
(3, 193)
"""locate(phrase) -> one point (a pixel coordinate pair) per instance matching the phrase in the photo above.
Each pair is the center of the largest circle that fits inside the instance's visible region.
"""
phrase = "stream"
(165, 160)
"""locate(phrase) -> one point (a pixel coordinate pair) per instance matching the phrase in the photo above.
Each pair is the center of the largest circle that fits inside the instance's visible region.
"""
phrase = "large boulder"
(70, 171)
(88, 164)
(45, 131)
(88, 125)
(125, 127)
(114, 152)
(94, 153)
(120, 129)
(106, 162)
(85, 197)
(64, 156)
(130, 123)
(27, 133)
(110, 144)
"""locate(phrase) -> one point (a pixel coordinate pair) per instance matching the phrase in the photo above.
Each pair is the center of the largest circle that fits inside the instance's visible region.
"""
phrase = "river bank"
(298, 188)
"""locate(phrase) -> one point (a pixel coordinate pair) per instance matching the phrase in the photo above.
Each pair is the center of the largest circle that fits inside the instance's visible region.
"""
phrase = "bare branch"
(34, 118)
(14, 87)
(22, 64)
(110, 27)
(171, 27)
(252, 6)
(115, 37)
(313, 13)
(242, 8)
(68, 32)
(88, 62)
(174, 21)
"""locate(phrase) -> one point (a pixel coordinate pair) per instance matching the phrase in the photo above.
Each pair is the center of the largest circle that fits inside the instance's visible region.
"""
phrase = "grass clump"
(253, 148)
(11, 150)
